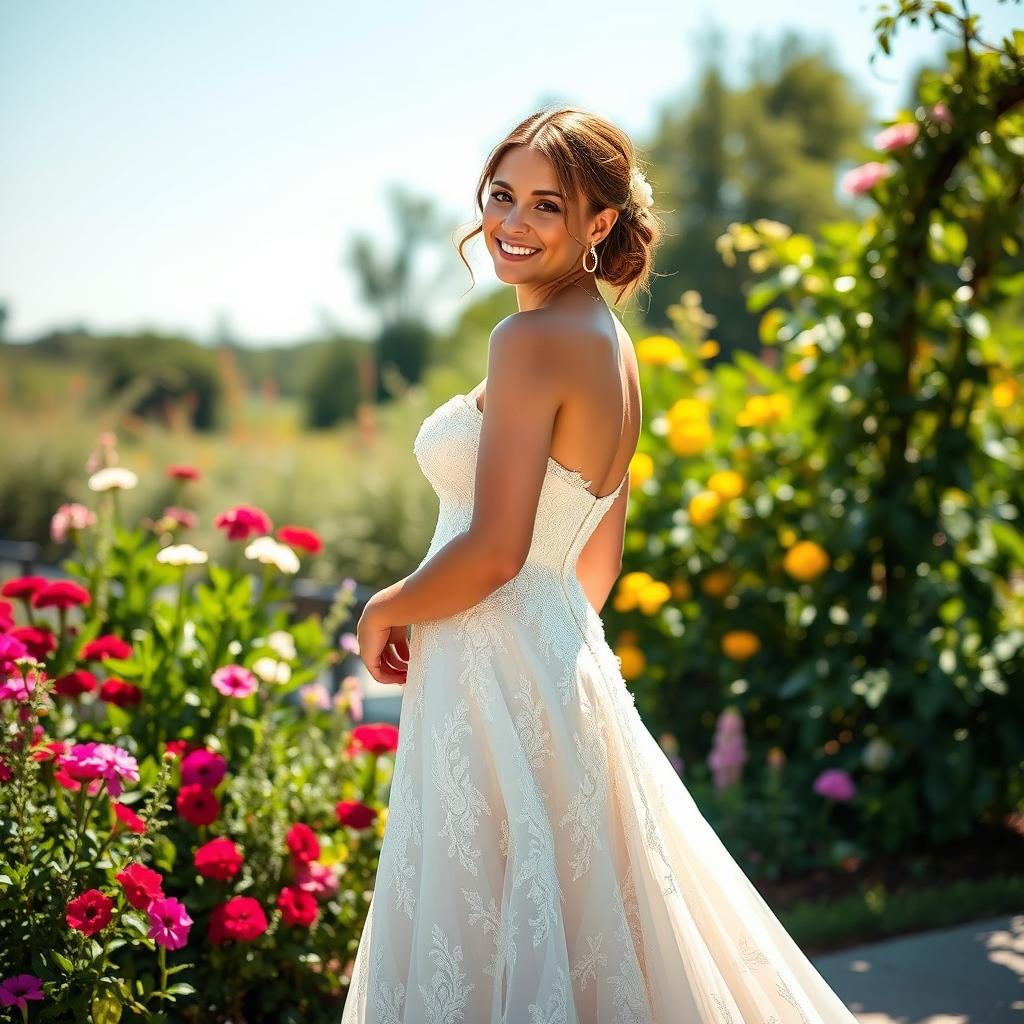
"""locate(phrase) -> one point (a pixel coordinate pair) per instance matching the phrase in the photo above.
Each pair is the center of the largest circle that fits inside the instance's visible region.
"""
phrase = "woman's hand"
(383, 648)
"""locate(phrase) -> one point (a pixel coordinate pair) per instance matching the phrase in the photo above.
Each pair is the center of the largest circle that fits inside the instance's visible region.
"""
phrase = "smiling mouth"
(516, 255)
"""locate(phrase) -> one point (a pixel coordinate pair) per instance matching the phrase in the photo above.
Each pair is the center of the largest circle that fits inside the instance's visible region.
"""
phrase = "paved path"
(971, 974)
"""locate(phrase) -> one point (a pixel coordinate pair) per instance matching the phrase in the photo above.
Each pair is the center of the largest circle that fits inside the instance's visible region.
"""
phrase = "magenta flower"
(864, 178)
(19, 989)
(203, 767)
(18, 687)
(11, 648)
(897, 136)
(169, 922)
(235, 681)
(319, 879)
(835, 784)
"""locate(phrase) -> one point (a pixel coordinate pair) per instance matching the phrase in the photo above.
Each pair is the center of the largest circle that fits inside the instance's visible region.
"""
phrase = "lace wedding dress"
(542, 861)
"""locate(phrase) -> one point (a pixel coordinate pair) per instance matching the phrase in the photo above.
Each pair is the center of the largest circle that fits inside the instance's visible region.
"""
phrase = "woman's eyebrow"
(536, 191)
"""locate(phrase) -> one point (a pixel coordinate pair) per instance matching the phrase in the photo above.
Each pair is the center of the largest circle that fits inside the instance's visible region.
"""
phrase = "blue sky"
(179, 165)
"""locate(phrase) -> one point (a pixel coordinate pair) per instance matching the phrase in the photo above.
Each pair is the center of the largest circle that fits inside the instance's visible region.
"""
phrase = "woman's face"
(524, 208)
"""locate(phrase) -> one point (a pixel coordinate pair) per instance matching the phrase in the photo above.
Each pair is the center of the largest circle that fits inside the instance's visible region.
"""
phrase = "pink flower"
(179, 516)
(864, 178)
(23, 586)
(897, 136)
(941, 114)
(235, 681)
(242, 521)
(241, 919)
(319, 879)
(6, 616)
(68, 518)
(17, 990)
(835, 784)
(61, 594)
(18, 687)
(297, 906)
(728, 751)
(169, 922)
(11, 648)
(348, 642)
(351, 696)
(101, 761)
(203, 767)
(39, 640)
(197, 804)
(128, 817)
(180, 472)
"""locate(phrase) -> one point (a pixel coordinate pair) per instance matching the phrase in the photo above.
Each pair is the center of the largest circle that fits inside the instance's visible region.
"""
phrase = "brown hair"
(594, 158)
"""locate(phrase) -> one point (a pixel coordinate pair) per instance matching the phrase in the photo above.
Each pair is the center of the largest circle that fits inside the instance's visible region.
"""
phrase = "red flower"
(220, 858)
(180, 747)
(39, 640)
(355, 814)
(117, 691)
(243, 521)
(62, 594)
(301, 538)
(106, 646)
(50, 751)
(68, 781)
(377, 737)
(297, 906)
(240, 919)
(89, 912)
(6, 616)
(141, 885)
(23, 586)
(74, 683)
(128, 817)
(302, 842)
(182, 472)
(197, 804)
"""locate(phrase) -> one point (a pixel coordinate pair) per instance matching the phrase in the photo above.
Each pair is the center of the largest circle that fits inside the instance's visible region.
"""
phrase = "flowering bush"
(828, 540)
(190, 821)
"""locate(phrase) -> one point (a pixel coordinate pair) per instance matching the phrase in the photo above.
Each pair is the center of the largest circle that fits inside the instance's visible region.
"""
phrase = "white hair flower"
(640, 188)
(273, 552)
(282, 643)
(182, 554)
(113, 478)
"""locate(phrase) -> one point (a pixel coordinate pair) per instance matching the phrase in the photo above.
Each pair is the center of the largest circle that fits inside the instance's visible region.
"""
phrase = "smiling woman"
(542, 859)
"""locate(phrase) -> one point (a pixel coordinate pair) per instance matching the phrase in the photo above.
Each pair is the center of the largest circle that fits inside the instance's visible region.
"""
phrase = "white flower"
(270, 670)
(272, 552)
(113, 478)
(282, 643)
(182, 554)
(641, 188)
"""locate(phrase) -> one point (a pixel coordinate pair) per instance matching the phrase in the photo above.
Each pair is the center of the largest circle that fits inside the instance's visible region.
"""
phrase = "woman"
(542, 860)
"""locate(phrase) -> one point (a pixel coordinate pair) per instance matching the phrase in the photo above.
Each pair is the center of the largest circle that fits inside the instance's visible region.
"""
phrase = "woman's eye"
(553, 208)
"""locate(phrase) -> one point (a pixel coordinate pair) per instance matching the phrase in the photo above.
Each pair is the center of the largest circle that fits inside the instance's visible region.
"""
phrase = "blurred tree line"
(771, 147)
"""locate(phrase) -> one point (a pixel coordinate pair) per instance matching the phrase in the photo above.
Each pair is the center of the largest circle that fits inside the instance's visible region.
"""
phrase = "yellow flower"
(1005, 393)
(687, 410)
(727, 482)
(641, 469)
(703, 507)
(381, 823)
(760, 410)
(787, 536)
(689, 438)
(708, 349)
(805, 560)
(681, 590)
(658, 350)
(718, 582)
(629, 589)
(796, 371)
(652, 596)
(740, 644)
(631, 660)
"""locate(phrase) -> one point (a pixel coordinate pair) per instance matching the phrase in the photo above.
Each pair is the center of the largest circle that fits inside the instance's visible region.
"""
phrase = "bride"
(542, 861)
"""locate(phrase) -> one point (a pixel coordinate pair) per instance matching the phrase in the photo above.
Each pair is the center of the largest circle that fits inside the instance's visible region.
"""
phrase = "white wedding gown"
(542, 861)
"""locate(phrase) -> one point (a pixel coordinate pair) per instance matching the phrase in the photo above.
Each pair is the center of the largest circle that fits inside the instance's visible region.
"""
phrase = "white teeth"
(515, 250)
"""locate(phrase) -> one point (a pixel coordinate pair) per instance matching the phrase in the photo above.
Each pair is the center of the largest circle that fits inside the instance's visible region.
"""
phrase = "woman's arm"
(600, 561)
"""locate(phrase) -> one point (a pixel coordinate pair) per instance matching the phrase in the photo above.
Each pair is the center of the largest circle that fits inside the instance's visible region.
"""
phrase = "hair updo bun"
(594, 158)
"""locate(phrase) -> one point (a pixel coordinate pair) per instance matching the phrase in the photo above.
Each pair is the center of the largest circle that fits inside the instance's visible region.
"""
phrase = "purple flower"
(19, 989)
(835, 784)
(728, 749)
